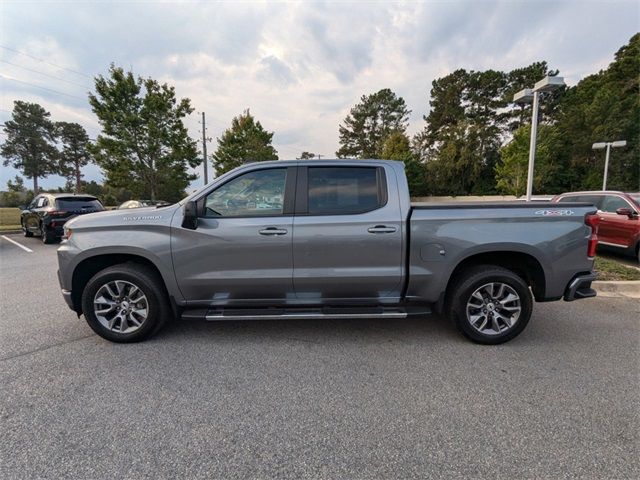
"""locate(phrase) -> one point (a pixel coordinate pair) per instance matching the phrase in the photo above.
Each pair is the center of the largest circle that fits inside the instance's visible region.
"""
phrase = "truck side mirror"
(190, 215)
(626, 211)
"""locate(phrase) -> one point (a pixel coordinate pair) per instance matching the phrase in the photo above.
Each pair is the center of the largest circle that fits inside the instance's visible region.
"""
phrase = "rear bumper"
(580, 287)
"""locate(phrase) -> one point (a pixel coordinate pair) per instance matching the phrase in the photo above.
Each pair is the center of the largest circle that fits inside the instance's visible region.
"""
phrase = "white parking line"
(17, 244)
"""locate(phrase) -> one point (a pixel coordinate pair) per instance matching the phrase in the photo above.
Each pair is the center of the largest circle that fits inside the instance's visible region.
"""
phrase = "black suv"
(48, 212)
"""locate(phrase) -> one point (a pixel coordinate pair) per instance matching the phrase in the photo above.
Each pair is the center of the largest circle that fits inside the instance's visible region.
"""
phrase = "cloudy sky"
(299, 66)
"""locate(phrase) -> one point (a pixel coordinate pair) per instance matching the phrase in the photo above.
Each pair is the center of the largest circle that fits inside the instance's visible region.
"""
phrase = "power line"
(46, 74)
(44, 61)
(38, 86)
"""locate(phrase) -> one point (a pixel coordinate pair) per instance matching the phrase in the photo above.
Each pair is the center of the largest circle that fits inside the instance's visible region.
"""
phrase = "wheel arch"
(88, 267)
(524, 265)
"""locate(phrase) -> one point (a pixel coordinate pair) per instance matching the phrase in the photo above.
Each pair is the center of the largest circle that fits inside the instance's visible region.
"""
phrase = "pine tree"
(245, 141)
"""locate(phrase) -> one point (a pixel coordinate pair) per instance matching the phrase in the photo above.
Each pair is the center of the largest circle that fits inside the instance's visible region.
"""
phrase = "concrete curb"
(9, 232)
(629, 289)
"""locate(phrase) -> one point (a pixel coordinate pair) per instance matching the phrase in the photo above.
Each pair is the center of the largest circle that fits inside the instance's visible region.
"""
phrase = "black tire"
(148, 281)
(47, 238)
(460, 298)
(26, 232)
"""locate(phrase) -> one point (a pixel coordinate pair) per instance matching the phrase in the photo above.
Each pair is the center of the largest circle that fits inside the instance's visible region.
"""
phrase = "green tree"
(30, 144)
(446, 111)
(471, 115)
(457, 166)
(109, 195)
(15, 193)
(307, 155)
(398, 147)
(605, 107)
(461, 139)
(370, 122)
(74, 152)
(246, 140)
(550, 173)
(511, 170)
(17, 185)
(518, 79)
(144, 144)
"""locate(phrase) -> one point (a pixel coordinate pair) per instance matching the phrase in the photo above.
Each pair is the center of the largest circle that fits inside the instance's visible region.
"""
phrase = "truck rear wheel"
(125, 303)
(490, 304)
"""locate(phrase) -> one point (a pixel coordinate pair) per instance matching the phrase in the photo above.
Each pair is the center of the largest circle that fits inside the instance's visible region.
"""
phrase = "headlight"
(67, 233)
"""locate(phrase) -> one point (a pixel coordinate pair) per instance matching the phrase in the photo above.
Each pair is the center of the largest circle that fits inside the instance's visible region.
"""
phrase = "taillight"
(592, 221)
(57, 213)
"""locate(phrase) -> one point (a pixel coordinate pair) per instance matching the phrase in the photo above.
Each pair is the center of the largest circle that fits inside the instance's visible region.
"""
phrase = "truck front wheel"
(490, 304)
(125, 303)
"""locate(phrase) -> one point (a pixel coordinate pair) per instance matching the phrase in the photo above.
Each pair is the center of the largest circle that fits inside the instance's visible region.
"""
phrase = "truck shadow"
(544, 328)
(417, 329)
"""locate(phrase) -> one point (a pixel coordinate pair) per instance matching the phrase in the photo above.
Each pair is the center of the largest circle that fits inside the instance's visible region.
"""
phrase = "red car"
(619, 227)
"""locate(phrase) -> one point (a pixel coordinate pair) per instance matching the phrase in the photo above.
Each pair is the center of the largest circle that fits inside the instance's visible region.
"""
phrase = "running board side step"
(216, 314)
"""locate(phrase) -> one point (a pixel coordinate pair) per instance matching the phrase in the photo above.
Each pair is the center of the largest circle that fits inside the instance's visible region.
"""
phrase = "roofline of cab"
(290, 163)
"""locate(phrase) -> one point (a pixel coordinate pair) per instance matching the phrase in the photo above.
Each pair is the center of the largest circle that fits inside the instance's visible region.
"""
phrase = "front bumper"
(66, 294)
(580, 287)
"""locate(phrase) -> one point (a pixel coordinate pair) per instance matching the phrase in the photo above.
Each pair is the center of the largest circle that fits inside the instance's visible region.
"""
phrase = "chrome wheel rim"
(120, 306)
(493, 308)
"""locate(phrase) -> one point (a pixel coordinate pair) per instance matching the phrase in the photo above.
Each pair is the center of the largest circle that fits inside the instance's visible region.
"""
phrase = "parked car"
(337, 239)
(142, 203)
(619, 227)
(48, 212)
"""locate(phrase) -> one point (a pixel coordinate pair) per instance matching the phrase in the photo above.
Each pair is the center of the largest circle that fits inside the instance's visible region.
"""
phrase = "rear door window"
(345, 190)
(78, 204)
(612, 203)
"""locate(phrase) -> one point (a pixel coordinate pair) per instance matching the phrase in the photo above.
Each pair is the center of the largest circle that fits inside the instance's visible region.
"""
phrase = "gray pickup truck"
(324, 239)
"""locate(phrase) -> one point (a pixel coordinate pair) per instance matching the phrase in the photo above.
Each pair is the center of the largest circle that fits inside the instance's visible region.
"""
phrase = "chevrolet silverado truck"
(324, 239)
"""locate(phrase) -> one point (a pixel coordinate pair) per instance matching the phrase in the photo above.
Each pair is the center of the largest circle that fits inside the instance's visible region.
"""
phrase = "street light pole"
(528, 95)
(606, 167)
(532, 144)
(607, 146)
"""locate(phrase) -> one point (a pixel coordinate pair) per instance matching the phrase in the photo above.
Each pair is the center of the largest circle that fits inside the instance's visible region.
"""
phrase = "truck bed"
(535, 235)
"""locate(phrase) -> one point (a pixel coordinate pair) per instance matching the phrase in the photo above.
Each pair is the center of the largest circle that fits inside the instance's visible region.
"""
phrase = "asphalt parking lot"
(309, 399)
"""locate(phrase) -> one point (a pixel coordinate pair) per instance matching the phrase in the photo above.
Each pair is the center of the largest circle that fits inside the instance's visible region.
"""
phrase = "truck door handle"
(381, 229)
(272, 231)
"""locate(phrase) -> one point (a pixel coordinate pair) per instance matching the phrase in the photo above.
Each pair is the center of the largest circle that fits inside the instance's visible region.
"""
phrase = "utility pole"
(204, 150)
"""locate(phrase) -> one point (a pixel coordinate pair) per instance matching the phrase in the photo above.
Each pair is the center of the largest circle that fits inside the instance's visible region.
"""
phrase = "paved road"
(306, 399)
